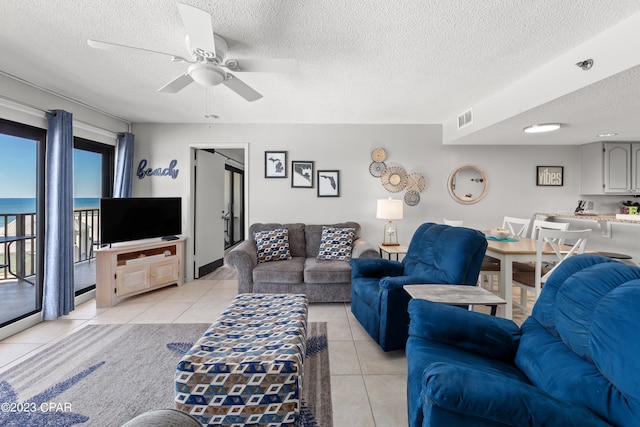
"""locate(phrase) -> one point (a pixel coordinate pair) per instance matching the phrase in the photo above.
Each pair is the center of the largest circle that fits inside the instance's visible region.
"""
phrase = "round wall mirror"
(467, 184)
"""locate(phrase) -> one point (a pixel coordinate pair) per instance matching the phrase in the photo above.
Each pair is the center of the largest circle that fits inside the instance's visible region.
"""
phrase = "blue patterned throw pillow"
(336, 243)
(273, 245)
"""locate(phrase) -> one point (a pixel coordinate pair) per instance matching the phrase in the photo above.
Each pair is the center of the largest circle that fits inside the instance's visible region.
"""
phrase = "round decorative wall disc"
(394, 179)
(416, 183)
(411, 198)
(379, 155)
(377, 169)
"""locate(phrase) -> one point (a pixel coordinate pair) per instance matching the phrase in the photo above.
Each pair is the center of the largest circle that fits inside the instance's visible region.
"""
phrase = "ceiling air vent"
(465, 118)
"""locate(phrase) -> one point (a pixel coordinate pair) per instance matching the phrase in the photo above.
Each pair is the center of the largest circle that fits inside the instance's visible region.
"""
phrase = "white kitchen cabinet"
(610, 168)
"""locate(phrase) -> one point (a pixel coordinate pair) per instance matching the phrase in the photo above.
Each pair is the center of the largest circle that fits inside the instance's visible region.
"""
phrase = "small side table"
(392, 250)
(614, 255)
(456, 295)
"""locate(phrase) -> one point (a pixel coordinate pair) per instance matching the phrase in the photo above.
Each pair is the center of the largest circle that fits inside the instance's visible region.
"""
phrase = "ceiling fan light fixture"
(542, 127)
(208, 53)
(207, 74)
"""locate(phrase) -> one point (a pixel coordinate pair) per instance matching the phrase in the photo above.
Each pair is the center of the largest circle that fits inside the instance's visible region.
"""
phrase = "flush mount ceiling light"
(543, 127)
(606, 135)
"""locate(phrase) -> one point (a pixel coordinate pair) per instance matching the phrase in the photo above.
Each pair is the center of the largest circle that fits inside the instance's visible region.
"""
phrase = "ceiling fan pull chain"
(207, 113)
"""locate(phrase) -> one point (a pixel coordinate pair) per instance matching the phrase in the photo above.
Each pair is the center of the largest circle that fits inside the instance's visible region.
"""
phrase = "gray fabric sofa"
(320, 280)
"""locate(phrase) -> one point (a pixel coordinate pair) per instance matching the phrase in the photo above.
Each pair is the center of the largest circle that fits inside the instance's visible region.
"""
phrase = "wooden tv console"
(131, 269)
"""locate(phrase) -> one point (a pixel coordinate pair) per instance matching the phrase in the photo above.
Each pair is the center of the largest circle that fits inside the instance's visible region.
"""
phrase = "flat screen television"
(137, 218)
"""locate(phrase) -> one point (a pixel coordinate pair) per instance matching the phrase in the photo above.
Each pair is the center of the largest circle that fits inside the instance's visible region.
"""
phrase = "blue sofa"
(574, 362)
(437, 253)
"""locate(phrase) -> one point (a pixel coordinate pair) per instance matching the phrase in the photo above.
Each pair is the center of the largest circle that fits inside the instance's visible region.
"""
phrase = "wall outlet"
(589, 205)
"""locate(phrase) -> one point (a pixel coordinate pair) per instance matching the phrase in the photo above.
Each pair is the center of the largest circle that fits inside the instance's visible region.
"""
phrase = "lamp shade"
(389, 209)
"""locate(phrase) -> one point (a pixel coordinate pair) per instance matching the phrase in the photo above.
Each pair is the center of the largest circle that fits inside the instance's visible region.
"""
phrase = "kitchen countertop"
(611, 217)
(604, 223)
(604, 220)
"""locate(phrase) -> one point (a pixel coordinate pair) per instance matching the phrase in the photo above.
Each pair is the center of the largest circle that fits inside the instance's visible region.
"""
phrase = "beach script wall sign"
(171, 171)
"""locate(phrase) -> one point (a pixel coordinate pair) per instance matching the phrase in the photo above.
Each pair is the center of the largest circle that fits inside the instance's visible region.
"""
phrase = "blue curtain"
(124, 165)
(59, 232)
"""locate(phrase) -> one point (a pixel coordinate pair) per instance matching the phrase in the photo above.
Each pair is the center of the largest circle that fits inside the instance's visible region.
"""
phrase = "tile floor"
(368, 386)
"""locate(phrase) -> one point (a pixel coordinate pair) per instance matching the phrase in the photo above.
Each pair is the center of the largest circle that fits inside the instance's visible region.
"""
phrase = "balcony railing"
(86, 231)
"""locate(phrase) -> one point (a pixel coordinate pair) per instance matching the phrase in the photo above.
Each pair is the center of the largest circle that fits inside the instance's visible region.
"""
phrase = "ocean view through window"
(19, 205)
(21, 199)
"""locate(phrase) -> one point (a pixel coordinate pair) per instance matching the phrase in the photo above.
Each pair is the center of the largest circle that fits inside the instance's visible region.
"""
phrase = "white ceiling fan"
(208, 52)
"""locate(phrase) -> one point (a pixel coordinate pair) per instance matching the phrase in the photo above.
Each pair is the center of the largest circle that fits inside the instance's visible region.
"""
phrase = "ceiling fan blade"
(96, 44)
(177, 84)
(263, 65)
(241, 88)
(198, 26)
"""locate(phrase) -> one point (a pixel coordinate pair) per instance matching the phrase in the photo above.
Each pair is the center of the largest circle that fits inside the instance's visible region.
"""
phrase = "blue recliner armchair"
(574, 362)
(437, 254)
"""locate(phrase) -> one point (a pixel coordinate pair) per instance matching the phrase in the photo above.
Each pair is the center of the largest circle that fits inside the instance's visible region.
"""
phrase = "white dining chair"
(453, 223)
(537, 225)
(516, 226)
(490, 266)
(534, 280)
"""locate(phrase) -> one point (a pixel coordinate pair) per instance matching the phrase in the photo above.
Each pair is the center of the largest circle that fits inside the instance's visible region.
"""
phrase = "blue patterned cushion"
(273, 245)
(336, 243)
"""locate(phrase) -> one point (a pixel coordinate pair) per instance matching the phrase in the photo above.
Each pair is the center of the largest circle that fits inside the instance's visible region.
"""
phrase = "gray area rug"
(105, 375)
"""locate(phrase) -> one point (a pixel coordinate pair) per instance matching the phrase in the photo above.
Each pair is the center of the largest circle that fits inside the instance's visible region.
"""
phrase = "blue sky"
(18, 176)
(87, 174)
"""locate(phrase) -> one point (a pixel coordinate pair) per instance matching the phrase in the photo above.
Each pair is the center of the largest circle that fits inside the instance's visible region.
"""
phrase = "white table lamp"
(389, 209)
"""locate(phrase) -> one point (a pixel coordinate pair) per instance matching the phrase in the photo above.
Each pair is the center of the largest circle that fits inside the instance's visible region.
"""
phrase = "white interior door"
(209, 209)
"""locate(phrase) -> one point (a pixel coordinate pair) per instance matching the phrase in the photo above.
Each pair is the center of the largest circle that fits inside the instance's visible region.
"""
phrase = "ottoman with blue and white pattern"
(247, 367)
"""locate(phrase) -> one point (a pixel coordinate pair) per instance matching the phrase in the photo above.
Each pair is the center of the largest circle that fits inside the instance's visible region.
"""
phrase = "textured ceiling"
(360, 61)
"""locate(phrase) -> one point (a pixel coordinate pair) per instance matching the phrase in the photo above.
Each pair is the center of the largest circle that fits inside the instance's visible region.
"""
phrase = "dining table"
(508, 251)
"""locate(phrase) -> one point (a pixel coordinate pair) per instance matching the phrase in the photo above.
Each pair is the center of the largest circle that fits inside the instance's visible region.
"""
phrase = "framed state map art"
(328, 183)
(301, 174)
(275, 164)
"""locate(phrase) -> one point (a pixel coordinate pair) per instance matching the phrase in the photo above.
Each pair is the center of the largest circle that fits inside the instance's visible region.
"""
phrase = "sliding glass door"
(22, 150)
(92, 179)
(21, 220)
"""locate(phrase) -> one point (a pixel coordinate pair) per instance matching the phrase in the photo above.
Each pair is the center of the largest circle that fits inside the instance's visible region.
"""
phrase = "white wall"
(510, 173)
(26, 104)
